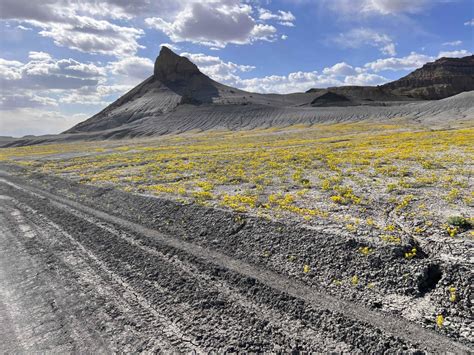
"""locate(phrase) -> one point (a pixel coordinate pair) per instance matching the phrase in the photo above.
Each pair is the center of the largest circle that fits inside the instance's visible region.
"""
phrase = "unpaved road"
(76, 278)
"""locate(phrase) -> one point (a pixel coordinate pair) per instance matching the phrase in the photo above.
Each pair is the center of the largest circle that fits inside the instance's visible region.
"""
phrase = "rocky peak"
(170, 67)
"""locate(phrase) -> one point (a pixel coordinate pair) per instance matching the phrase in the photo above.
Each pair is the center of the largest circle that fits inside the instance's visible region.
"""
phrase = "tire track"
(79, 261)
(25, 285)
(392, 325)
(273, 316)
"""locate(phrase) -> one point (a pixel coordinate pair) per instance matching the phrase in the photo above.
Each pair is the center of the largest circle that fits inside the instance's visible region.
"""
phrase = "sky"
(61, 61)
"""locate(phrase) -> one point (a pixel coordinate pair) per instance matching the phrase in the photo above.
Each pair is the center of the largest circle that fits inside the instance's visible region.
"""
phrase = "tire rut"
(131, 305)
(396, 327)
(277, 319)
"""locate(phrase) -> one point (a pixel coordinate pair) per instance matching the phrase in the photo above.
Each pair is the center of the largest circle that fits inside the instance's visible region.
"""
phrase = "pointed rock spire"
(170, 67)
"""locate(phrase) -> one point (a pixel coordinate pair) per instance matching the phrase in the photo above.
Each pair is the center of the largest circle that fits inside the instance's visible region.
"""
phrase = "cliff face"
(437, 80)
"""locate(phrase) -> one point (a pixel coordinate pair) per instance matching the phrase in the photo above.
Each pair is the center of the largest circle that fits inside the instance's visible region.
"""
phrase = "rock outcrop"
(170, 67)
(437, 80)
(330, 99)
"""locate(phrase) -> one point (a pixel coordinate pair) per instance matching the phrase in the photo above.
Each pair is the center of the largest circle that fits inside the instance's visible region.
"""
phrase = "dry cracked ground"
(351, 238)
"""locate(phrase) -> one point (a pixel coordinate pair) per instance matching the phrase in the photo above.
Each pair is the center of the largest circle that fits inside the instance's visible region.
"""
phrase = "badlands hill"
(178, 97)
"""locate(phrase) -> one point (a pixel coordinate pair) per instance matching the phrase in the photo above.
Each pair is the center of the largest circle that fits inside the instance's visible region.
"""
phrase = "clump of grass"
(461, 222)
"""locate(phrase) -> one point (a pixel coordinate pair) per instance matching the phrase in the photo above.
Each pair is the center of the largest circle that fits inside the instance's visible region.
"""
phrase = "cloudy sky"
(63, 60)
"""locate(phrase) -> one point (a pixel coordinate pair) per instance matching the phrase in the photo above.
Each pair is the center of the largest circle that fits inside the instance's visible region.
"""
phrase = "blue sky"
(61, 61)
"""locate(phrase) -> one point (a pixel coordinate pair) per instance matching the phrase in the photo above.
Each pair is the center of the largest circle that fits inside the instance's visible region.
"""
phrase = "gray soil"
(453, 111)
(86, 269)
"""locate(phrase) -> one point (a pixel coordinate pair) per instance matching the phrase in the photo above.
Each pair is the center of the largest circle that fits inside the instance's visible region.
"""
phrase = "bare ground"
(97, 270)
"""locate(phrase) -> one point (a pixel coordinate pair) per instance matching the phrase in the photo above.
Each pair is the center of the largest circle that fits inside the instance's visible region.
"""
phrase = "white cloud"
(23, 28)
(62, 10)
(44, 73)
(171, 46)
(469, 23)
(62, 21)
(284, 18)
(134, 68)
(10, 63)
(358, 37)
(22, 121)
(265, 14)
(453, 43)
(379, 7)
(218, 69)
(283, 37)
(93, 36)
(293, 82)
(214, 23)
(229, 73)
(454, 54)
(205, 61)
(9, 70)
(39, 55)
(412, 61)
(340, 69)
(364, 79)
(263, 32)
(25, 100)
(46, 81)
(386, 7)
(43, 80)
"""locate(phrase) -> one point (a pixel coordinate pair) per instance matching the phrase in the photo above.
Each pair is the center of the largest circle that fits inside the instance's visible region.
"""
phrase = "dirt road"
(74, 277)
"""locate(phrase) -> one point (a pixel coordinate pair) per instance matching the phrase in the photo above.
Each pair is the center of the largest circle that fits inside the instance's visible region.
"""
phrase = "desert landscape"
(193, 216)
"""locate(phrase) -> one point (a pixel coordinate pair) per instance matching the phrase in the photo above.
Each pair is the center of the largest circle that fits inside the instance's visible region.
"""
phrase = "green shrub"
(460, 221)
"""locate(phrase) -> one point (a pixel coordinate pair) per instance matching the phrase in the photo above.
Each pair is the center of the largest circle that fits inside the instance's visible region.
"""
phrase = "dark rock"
(170, 67)
(331, 99)
(437, 80)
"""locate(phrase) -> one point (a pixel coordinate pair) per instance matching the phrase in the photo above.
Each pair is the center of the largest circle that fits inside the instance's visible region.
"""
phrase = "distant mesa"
(437, 80)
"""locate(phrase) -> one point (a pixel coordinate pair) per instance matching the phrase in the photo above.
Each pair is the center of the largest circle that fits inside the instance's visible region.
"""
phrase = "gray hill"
(178, 97)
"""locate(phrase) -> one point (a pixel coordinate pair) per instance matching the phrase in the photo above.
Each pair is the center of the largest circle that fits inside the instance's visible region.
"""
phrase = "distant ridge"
(436, 80)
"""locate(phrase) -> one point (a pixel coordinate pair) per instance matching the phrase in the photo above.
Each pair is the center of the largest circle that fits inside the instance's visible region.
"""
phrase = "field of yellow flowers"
(392, 179)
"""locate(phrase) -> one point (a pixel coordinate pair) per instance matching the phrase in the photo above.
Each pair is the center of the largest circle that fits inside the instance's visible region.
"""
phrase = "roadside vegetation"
(388, 180)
